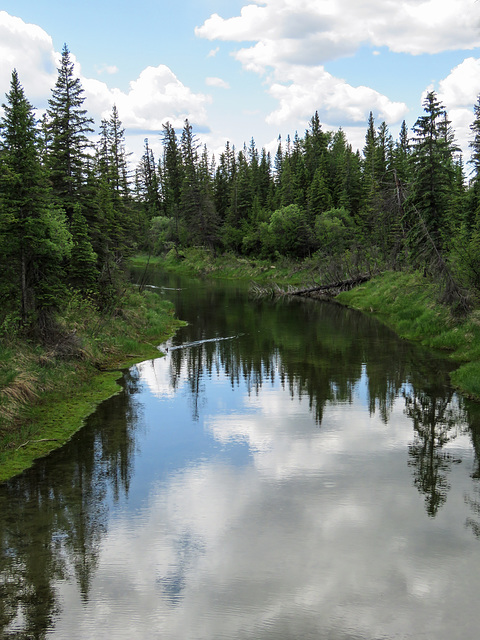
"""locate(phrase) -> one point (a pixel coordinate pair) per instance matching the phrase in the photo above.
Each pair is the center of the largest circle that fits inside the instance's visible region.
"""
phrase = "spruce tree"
(148, 184)
(120, 226)
(434, 173)
(473, 206)
(33, 232)
(69, 126)
(172, 177)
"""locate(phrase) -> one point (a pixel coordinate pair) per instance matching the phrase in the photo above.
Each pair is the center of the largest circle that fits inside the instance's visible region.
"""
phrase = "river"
(289, 470)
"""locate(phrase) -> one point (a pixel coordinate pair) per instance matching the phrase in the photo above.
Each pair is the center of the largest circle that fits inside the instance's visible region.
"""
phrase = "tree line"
(71, 211)
(67, 213)
(399, 204)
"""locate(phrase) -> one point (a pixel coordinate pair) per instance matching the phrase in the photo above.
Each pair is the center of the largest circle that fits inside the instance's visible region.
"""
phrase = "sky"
(243, 69)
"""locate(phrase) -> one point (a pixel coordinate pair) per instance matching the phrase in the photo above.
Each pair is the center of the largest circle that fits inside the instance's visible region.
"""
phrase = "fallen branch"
(342, 285)
(329, 290)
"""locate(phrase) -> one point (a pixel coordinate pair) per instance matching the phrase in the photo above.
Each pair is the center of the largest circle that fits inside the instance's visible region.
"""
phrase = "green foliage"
(34, 234)
(434, 172)
(288, 232)
(334, 231)
(163, 234)
(82, 268)
(68, 126)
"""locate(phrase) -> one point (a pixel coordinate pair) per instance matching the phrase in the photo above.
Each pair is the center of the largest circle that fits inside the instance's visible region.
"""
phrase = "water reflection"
(282, 473)
(55, 516)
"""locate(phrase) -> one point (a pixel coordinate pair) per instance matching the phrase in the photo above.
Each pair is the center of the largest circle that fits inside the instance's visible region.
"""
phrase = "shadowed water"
(290, 469)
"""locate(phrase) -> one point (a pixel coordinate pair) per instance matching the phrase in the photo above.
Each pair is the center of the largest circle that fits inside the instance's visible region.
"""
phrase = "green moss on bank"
(46, 393)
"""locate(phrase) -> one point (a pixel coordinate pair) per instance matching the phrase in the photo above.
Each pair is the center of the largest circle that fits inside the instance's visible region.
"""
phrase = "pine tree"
(319, 198)
(120, 225)
(315, 144)
(370, 155)
(82, 267)
(434, 172)
(172, 177)
(33, 232)
(190, 201)
(148, 184)
(69, 127)
(473, 208)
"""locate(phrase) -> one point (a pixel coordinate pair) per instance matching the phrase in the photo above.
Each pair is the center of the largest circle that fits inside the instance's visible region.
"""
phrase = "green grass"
(408, 303)
(198, 261)
(46, 394)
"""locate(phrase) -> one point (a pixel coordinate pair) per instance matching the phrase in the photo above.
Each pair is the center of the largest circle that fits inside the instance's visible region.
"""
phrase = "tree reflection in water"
(436, 421)
(54, 517)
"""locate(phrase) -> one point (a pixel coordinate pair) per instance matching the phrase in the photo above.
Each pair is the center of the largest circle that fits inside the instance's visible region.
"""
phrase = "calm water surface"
(289, 470)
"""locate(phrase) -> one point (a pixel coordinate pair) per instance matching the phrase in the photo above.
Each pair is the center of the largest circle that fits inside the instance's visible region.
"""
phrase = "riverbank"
(47, 393)
(198, 261)
(407, 302)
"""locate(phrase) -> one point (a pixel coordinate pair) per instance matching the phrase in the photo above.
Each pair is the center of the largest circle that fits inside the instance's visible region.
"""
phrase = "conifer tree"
(82, 267)
(370, 155)
(401, 158)
(474, 192)
(315, 144)
(475, 142)
(33, 232)
(434, 172)
(190, 191)
(148, 184)
(119, 224)
(69, 126)
(172, 176)
(319, 198)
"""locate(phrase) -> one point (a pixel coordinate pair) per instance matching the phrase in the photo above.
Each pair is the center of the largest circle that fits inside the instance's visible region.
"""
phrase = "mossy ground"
(46, 394)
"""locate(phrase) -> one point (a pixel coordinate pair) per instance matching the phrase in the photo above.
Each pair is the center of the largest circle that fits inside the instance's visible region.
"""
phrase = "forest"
(72, 211)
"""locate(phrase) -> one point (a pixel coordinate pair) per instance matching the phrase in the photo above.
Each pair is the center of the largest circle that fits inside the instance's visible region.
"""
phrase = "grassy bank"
(200, 262)
(407, 302)
(46, 393)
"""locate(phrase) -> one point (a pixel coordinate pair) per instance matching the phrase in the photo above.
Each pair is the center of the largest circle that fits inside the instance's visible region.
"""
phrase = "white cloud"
(462, 86)
(110, 69)
(28, 49)
(314, 31)
(217, 82)
(213, 52)
(459, 92)
(289, 42)
(212, 551)
(305, 90)
(156, 96)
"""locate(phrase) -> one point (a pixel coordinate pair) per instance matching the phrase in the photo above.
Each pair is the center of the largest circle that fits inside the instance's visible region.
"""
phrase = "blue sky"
(257, 68)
